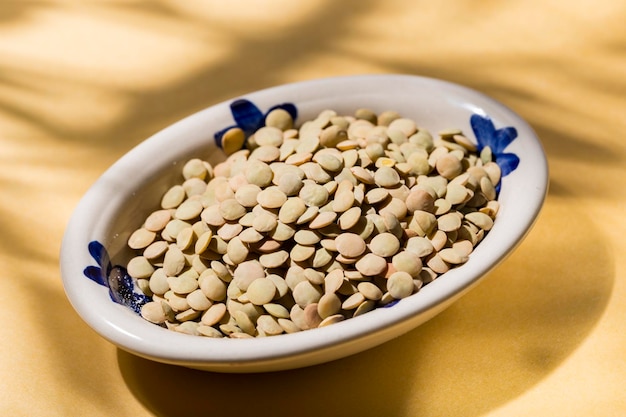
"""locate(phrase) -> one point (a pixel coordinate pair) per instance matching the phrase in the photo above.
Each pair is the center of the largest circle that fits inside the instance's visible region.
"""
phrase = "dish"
(94, 253)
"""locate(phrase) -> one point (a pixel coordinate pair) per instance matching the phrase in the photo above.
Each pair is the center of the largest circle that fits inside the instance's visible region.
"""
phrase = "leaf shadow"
(496, 343)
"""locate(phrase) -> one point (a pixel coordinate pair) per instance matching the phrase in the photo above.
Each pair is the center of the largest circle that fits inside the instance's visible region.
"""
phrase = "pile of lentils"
(304, 227)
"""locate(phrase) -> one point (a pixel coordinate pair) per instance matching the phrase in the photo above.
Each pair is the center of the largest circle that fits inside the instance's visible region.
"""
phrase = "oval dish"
(94, 249)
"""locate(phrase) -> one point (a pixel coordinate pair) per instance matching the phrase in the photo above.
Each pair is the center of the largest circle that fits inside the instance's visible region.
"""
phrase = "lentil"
(312, 224)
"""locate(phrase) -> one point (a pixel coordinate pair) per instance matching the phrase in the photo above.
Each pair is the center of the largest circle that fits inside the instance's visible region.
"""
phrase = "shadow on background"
(252, 62)
(496, 342)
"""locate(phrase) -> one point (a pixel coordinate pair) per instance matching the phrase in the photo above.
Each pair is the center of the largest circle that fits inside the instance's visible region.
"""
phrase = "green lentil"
(311, 225)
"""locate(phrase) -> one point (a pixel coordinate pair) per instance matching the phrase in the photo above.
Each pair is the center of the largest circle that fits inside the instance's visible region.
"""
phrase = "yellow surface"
(81, 82)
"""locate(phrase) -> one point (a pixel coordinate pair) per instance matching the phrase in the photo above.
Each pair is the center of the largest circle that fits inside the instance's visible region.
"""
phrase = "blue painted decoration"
(121, 286)
(496, 139)
(249, 118)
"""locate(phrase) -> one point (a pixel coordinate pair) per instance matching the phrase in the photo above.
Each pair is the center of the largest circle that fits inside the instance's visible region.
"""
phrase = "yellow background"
(82, 82)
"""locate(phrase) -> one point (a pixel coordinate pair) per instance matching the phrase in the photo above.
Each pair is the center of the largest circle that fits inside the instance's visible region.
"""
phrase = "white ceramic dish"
(119, 201)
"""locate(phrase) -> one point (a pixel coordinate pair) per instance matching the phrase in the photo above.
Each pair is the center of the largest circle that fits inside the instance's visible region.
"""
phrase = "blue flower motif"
(249, 118)
(391, 304)
(121, 286)
(497, 139)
